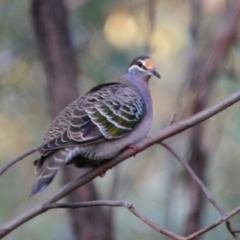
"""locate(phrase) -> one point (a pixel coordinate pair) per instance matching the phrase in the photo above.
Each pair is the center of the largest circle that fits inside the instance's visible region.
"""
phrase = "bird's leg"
(133, 147)
(102, 174)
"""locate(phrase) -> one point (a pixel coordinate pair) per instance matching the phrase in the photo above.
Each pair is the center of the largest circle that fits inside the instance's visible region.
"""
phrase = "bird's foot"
(133, 147)
(102, 174)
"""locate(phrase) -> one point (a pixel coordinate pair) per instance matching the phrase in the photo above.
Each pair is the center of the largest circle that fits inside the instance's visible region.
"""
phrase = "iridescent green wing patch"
(119, 113)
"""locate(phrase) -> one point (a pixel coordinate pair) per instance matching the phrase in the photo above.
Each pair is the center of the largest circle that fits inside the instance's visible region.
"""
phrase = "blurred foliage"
(107, 35)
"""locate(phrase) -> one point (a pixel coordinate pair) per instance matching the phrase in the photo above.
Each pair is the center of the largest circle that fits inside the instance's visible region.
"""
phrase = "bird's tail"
(47, 169)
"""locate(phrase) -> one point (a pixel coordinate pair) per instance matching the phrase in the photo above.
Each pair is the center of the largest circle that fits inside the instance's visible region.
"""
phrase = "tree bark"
(51, 30)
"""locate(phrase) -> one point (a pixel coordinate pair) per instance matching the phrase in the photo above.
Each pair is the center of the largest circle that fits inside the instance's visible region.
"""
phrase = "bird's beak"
(155, 73)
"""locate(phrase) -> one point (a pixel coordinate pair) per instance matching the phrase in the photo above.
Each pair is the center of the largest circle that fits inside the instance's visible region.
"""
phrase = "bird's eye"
(140, 64)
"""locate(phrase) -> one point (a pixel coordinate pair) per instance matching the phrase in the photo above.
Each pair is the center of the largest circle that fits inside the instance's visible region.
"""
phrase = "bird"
(98, 125)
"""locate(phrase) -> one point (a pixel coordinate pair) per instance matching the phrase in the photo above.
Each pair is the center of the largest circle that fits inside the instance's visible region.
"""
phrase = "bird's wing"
(108, 111)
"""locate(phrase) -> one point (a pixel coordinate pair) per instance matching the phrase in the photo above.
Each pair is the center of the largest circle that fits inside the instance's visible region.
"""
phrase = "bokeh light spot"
(120, 29)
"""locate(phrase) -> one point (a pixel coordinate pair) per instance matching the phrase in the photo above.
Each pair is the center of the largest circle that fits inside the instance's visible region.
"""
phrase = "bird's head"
(143, 67)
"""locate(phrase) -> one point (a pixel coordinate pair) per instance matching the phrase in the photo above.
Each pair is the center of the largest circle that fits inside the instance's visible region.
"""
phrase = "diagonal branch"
(18, 158)
(222, 219)
(196, 178)
(108, 203)
(145, 143)
(200, 184)
(137, 213)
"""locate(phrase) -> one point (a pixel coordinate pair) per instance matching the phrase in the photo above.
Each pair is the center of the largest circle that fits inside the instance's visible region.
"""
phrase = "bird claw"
(102, 174)
(130, 146)
(133, 147)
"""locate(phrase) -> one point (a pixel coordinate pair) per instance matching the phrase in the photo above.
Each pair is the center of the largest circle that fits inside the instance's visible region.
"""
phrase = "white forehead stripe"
(136, 66)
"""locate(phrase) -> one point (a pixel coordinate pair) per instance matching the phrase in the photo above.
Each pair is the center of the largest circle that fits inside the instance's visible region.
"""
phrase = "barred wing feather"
(109, 111)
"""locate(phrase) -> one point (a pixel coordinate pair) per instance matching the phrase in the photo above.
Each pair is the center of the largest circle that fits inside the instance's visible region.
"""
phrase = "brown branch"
(138, 214)
(108, 203)
(97, 203)
(172, 119)
(223, 218)
(200, 184)
(196, 178)
(145, 143)
(17, 159)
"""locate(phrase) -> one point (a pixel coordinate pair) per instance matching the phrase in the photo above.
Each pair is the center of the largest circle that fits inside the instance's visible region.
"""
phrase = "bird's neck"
(145, 91)
(142, 86)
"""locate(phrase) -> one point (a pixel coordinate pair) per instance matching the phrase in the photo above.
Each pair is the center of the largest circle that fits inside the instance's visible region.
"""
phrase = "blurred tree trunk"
(202, 77)
(51, 30)
(198, 154)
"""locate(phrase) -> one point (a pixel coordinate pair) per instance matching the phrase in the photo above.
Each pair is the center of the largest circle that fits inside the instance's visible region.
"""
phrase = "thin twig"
(138, 214)
(124, 204)
(172, 119)
(17, 159)
(223, 218)
(196, 179)
(200, 184)
(142, 145)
